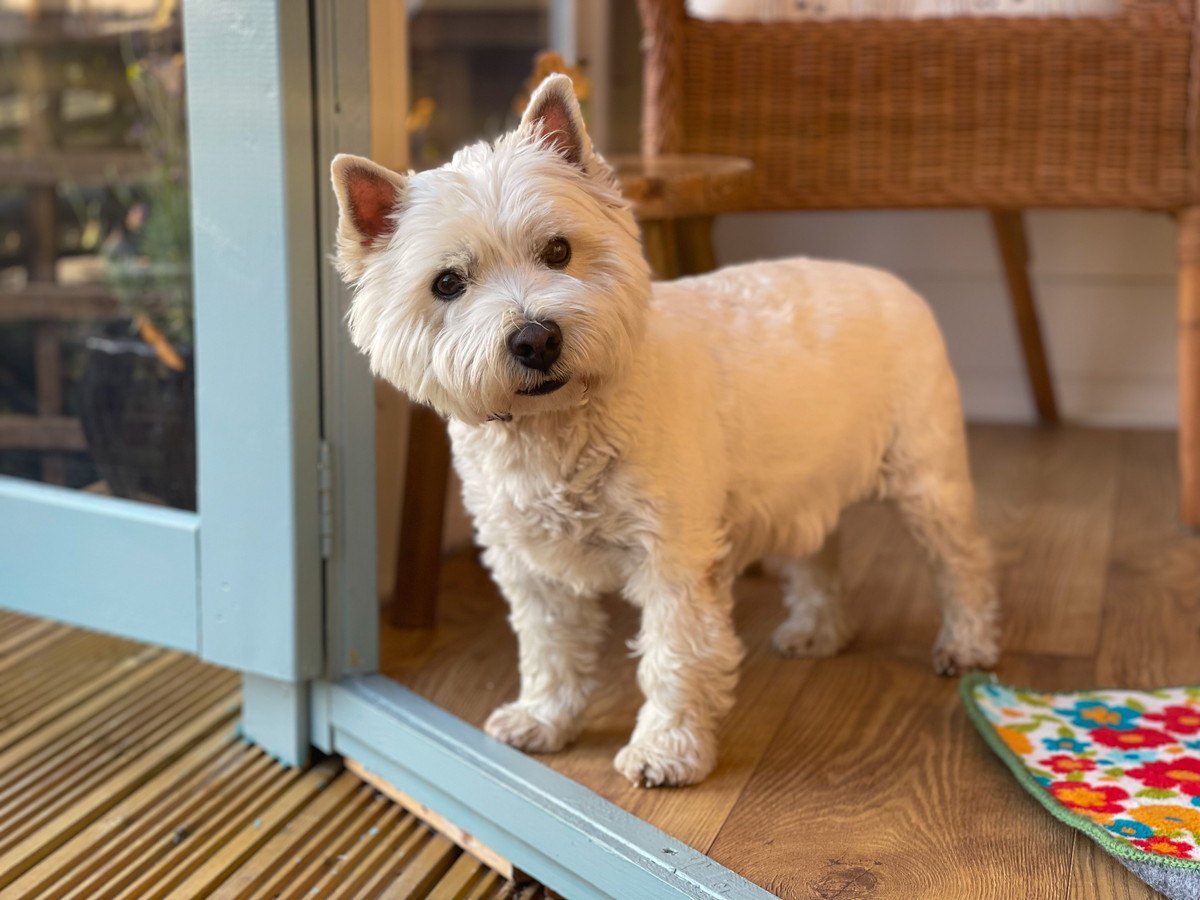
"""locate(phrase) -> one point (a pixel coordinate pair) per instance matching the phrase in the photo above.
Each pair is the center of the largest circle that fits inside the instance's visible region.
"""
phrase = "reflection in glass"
(470, 63)
(96, 348)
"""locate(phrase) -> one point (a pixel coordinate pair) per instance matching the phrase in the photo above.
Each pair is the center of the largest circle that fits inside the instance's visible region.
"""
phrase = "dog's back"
(812, 368)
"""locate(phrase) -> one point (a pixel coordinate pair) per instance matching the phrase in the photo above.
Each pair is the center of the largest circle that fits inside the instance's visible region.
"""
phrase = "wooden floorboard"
(878, 778)
(1151, 632)
(122, 776)
(861, 776)
(1049, 503)
(1095, 874)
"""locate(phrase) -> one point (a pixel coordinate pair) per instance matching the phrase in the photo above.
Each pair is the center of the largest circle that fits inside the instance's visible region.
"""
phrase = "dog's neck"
(568, 445)
(555, 430)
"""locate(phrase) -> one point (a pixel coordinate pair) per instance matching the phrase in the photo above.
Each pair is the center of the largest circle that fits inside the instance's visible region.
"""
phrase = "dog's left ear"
(369, 196)
(553, 114)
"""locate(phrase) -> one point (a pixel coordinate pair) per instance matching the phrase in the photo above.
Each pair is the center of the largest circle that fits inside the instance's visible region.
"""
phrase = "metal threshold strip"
(555, 830)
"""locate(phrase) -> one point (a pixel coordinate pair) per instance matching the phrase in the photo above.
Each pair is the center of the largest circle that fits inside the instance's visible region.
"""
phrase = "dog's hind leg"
(816, 624)
(929, 478)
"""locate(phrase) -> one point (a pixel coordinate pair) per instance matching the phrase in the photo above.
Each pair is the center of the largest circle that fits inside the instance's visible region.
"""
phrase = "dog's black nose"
(536, 345)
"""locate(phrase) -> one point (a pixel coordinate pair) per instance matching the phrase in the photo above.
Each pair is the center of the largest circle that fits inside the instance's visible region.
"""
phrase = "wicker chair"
(998, 113)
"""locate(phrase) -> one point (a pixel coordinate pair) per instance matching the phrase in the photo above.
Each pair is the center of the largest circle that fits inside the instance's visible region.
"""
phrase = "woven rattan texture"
(943, 112)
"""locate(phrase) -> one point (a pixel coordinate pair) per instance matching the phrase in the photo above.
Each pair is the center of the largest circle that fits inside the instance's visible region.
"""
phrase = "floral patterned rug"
(1121, 766)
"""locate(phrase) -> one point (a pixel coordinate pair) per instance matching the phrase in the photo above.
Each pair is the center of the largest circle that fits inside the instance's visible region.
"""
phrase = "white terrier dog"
(653, 439)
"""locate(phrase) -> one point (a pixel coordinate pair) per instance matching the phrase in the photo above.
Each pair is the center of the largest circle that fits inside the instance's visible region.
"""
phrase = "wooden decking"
(122, 775)
(860, 775)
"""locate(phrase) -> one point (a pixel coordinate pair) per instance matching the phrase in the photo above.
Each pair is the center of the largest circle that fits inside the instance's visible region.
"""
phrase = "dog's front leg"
(688, 671)
(558, 636)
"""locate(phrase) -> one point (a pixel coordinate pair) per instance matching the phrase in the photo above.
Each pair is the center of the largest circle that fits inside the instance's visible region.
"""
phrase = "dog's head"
(508, 282)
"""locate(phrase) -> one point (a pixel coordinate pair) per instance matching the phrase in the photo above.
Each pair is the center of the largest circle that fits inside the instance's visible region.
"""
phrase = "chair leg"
(1189, 366)
(1009, 229)
(419, 559)
(661, 246)
(391, 437)
(696, 254)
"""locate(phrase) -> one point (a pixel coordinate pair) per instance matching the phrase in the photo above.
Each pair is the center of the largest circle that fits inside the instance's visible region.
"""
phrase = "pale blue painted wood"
(348, 395)
(275, 715)
(114, 565)
(320, 707)
(566, 836)
(257, 371)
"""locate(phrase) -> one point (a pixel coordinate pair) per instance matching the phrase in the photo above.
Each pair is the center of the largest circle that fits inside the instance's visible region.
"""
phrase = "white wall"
(1104, 281)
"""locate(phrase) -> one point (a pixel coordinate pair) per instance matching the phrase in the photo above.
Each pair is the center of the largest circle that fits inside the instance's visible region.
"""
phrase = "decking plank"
(35, 845)
(121, 775)
(93, 855)
(254, 828)
(284, 852)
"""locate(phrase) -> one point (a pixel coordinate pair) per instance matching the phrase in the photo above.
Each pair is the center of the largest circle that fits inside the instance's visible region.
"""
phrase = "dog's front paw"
(519, 726)
(963, 648)
(672, 757)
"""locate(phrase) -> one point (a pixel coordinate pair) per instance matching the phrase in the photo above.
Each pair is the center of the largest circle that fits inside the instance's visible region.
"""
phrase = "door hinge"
(325, 498)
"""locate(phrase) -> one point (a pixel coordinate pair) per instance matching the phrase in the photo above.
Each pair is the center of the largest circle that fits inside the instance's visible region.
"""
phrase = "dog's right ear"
(369, 197)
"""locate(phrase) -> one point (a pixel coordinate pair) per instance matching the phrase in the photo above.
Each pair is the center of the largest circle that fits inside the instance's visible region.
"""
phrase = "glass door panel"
(470, 64)
(96, 308)
(131, 218)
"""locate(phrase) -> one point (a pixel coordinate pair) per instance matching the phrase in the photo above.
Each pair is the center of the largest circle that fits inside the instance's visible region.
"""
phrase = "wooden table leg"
(391, 440)
(419, 559)
(696, 254)
(1009, 229)
(660, 244)
(1189, 366)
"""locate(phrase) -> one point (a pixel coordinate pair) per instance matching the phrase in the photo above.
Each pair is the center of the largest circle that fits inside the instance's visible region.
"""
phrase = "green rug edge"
(1115, 846)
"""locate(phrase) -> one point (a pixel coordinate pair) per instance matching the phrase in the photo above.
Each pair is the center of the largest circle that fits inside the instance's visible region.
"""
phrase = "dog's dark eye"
(449, 285)
(557, 253)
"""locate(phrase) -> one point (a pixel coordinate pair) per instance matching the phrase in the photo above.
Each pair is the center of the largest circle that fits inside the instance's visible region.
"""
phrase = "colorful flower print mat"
(1121, 766)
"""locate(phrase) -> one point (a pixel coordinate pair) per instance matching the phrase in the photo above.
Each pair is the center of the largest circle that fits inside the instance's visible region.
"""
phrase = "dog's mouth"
(546, 387)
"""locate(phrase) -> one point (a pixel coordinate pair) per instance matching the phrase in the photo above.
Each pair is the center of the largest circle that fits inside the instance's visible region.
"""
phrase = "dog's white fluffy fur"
(705, 423)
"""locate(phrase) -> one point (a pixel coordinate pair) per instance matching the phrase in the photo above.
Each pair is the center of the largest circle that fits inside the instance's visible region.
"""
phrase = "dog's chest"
(571, 516)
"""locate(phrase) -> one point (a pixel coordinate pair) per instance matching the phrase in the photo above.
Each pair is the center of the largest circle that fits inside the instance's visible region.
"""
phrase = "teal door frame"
(249, 80)
(343, 125)
(113, 565)
(332, 88)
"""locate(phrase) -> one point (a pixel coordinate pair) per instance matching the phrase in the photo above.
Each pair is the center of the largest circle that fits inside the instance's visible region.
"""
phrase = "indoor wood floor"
(122, 775)
(860, 775)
